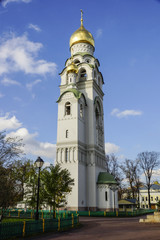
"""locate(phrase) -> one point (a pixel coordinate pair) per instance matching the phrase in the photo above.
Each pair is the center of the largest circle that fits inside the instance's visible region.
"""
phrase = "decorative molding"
(82, 48)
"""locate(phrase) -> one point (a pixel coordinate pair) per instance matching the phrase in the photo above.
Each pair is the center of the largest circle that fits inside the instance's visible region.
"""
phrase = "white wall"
(111, 197)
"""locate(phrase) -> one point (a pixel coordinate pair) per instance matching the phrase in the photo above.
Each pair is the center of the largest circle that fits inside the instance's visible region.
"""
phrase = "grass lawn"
(8, 220)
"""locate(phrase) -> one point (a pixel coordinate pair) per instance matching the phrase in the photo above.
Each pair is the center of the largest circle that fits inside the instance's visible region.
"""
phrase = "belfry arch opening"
(76, 61)
(67, 108)
(83, 74)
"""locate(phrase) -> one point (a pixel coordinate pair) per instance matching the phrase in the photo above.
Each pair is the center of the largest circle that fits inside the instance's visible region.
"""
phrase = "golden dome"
(72, 68)
(81, 35)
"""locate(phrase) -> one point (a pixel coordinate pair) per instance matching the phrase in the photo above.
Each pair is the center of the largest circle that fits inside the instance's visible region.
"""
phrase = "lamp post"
(113, 188)
(38, 163)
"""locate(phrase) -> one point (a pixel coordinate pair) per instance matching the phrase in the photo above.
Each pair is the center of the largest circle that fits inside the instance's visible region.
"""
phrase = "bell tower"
(80, 133)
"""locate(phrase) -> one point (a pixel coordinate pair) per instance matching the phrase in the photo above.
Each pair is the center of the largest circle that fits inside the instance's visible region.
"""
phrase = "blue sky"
(34, 45)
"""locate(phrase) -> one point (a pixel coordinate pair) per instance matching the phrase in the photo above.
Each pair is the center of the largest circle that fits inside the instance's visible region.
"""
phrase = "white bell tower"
(80, 134)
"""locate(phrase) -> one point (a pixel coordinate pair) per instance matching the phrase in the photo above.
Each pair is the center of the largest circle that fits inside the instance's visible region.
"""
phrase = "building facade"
(80, 130)
(154, 196)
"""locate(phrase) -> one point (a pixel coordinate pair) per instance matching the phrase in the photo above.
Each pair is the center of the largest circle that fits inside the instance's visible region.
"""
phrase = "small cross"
(81, 17)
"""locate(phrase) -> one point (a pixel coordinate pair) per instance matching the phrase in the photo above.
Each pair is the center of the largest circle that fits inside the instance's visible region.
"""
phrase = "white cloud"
(156, 173)
(34, 27)
(20, 54)
(32, 84)
(46, 164)
(5, 2)
(99, 33)
(8, 82)
(33, 146)
(111, 148)
(120, 114)
(8, 123)
(1, 95)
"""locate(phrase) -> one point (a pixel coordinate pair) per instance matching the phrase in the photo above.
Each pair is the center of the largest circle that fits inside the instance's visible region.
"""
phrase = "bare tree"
(113, 168)
(131, 172)
(148, 162)
(112, 165)
(10, 148)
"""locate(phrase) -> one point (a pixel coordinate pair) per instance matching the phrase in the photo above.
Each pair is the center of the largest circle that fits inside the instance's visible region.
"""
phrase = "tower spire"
(81, 18)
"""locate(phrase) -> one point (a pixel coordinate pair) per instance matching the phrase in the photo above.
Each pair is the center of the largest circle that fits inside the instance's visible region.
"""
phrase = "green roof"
(127, 202)
(76, 93)
(105, 178)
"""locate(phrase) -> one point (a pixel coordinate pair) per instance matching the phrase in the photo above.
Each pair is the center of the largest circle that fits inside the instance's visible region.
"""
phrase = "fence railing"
(30, 214)
(45, 214)
(62, 220)
(112, 214)
(27, 228)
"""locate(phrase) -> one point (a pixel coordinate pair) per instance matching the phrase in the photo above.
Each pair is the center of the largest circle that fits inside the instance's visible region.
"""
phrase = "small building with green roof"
(107, 192)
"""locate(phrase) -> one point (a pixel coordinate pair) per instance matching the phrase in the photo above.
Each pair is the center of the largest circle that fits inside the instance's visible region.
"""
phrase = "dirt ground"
(98, 228)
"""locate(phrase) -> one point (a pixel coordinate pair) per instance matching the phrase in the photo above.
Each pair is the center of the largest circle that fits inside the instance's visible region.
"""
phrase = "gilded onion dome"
(81, 35)
(72, 68)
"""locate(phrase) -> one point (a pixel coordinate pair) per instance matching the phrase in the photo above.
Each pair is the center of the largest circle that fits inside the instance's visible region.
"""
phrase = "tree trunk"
(1, 216)
(138, 198)
(54, 209)
(149, 200)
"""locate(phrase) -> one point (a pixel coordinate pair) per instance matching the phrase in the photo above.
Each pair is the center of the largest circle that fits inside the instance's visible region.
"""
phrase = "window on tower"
(99, 124)
(106, 196)
(66, 155)
(66, 133)
(81, 110)
(97, 117)
(67, 108)
(83, 74)
(87, 60)
(76, 61)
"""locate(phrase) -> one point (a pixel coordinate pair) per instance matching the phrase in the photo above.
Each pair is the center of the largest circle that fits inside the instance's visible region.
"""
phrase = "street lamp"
(38, 163)
(113, 188)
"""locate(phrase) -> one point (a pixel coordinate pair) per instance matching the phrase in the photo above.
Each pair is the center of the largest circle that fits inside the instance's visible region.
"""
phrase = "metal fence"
(112, 214)
(45, 214)
(30, 214)
(63, 220)
(27, 228)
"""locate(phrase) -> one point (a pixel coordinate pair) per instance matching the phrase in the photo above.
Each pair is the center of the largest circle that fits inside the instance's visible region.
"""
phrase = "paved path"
(107, 229)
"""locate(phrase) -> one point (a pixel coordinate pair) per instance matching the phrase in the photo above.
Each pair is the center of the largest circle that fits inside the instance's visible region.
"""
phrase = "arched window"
(95, 74)
(83, 74)
(98, 113)
(87, 60)
(81, 110)
(66, 155)
(66, 133)
(99, 124)
(67, 108)
(76, 61)
(97, 116)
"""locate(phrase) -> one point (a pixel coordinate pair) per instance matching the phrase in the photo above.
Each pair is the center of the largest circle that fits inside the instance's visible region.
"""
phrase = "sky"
(34, 45)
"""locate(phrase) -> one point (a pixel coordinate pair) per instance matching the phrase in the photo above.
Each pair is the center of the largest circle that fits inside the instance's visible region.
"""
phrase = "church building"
(80, 130)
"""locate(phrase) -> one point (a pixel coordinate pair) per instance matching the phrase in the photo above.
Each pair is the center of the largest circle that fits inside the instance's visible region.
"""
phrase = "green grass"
(8, 220)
